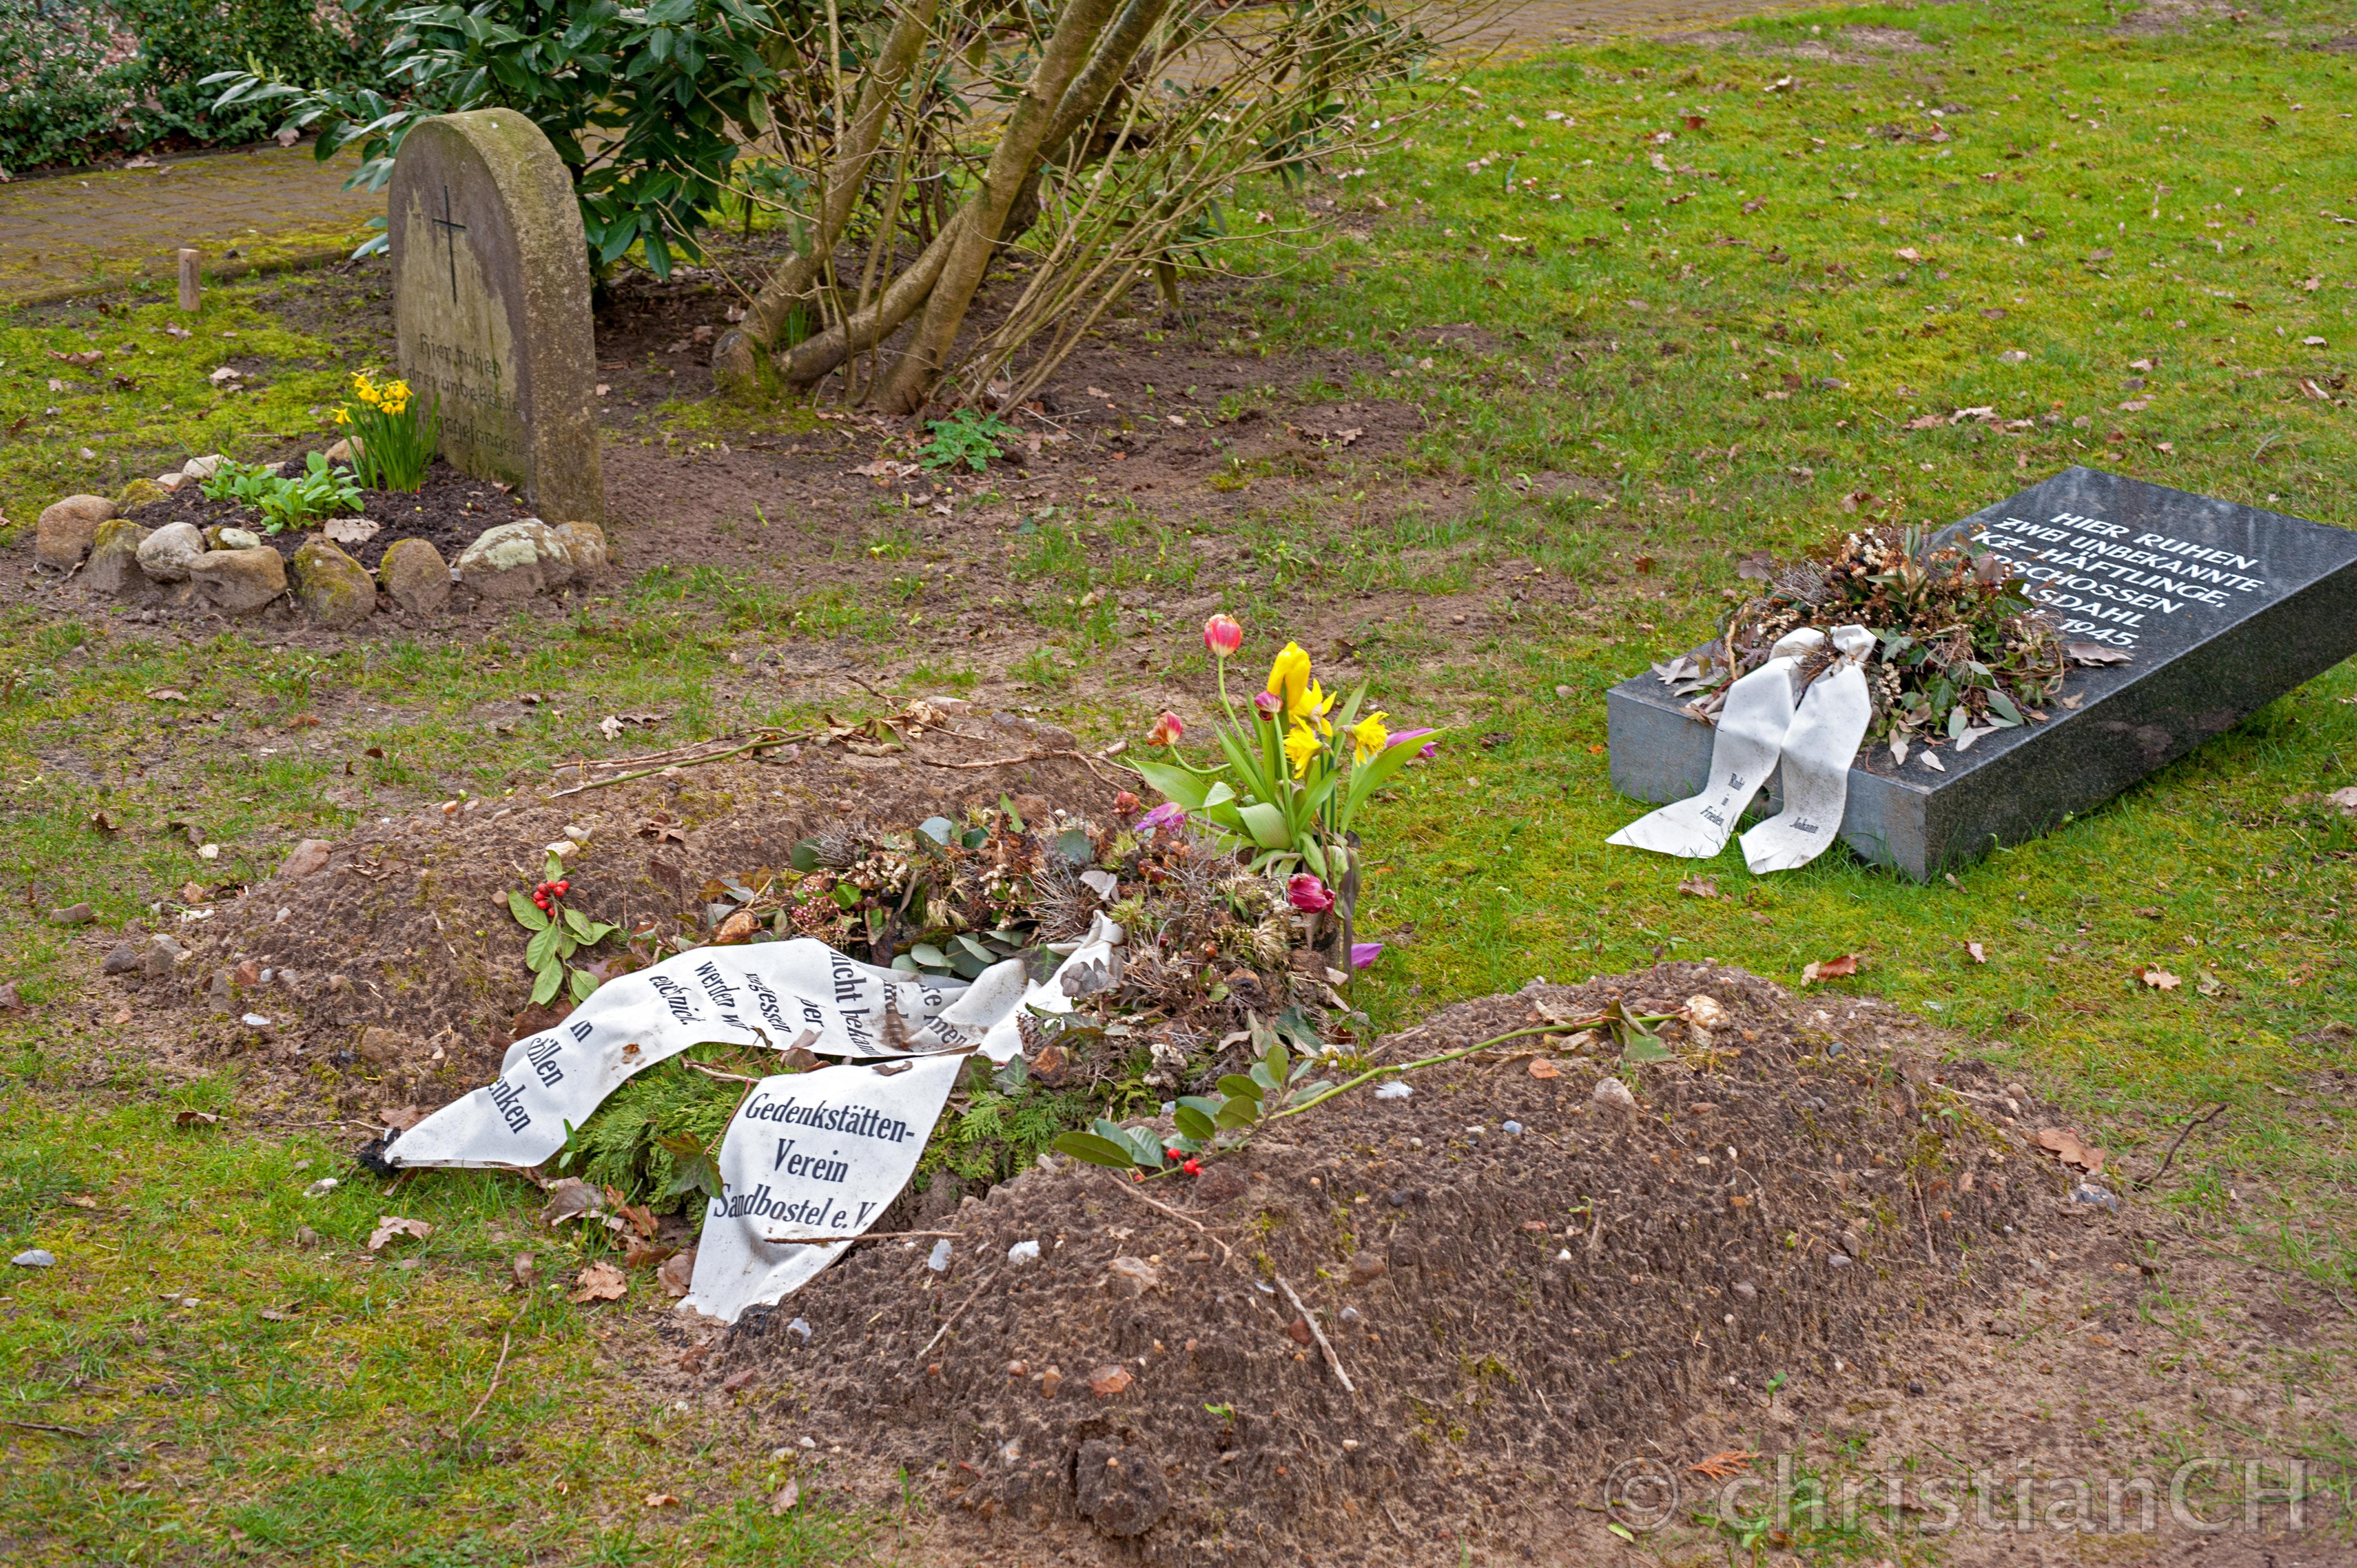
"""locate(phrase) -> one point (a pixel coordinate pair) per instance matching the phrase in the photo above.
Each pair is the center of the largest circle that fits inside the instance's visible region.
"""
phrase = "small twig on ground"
(716, 1072)
(49, 1426)
(1183, 1219)
(767, 738)
(1596, 1229)
(1318, 1333)
(1035, 757)
(2178, 1141)
(506, 1339)
(1929, 1253)
(954, 1317)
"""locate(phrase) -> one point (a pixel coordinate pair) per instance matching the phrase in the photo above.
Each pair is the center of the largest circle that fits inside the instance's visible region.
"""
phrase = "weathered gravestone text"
(492, 306)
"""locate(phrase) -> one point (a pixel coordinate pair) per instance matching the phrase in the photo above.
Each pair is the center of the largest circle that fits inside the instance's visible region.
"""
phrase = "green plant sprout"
(965, 438)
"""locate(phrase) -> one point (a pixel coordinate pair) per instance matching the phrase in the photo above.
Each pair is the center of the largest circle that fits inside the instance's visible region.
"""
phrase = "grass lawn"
(1653, 305)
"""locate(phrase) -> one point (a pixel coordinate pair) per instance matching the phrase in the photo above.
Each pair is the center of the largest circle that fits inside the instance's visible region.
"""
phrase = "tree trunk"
(911, 382)
(792, 284)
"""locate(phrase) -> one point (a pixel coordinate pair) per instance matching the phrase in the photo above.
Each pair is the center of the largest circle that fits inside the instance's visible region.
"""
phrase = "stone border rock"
(231, 572)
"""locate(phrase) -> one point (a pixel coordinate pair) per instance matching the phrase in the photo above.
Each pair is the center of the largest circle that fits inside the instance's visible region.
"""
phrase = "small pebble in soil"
(938, 1261)
(1349, 1315)
(1746, 1289)
(1511, 1127)
(798, 1326)
(1023, 1252)
(1914, 1385)
(1836, 1259)
(1415, 1142)
(1397, 1198)
(1393, 1092)
(35, 1258)
(320, 1188)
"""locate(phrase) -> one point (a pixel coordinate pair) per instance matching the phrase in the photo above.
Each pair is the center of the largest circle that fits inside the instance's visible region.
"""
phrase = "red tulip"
(1222, 635)
(1168, 730)
(1126, 802)
(1306, 892)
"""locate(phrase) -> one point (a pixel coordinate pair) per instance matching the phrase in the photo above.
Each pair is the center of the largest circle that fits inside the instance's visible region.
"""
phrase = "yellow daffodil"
(1370, 736)
(1313, 706)
(344, 416)
(1288, 677)
(1300, 746)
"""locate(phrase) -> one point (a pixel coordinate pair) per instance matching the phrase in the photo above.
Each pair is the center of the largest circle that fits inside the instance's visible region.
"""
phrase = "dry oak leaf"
(390, 1225)
(1699, 887)
(1977, 952)
(602, 1281)
(788, 1495)
(2065, 1145)
(1831, 969)
(2159, 979)
(661, 1501)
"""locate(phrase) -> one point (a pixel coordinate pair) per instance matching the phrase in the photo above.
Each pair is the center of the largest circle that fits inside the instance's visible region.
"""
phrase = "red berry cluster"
(548, 893)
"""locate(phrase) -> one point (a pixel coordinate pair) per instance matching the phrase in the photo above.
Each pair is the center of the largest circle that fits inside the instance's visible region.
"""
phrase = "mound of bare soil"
(395, 974)
(1522, 1284)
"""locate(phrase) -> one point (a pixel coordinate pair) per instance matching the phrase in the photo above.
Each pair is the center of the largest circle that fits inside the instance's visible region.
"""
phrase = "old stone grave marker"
(2218, 608)
(492, 305)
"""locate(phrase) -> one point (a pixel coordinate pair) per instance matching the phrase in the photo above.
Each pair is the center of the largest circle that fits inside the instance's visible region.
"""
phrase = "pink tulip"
(1364, 953)
(1222, 635)
(1430, 750)
(1307, 894)
(1269, 704)
(1168, 730)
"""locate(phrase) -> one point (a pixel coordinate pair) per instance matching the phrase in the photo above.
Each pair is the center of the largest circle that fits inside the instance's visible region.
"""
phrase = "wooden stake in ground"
(191, 286)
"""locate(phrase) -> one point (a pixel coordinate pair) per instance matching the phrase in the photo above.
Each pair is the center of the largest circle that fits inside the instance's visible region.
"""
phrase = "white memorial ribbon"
(1751, 725)
(1758, 728)
(774, 993)
(1818, 747)
(817, 1154)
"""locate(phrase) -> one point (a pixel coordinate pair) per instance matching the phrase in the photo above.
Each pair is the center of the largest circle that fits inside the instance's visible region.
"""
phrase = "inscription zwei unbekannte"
(2115, 581)
(478, 409)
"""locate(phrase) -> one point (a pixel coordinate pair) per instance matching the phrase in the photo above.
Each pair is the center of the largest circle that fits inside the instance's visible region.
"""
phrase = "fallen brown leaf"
(401, 1118)
(390, 1227)
(661, 1501)
(788, 1495)
(1977, 952)
(1720, 1465)
(1831, 969)
(2158, 978)
(1699, 887)
(677, 1272)
(523, 1270)
(602, 1281)
(195, 1118)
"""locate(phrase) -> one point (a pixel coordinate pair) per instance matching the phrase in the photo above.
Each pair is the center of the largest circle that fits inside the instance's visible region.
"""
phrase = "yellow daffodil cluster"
(1301, 705)
(387, 397)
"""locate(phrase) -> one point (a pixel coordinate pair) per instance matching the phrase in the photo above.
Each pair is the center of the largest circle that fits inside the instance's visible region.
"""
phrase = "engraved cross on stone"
(450, 232)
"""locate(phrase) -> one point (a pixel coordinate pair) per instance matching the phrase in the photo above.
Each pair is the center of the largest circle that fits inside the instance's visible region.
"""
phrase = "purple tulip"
(1269, 704)
(1364, 953)
(1170, 814)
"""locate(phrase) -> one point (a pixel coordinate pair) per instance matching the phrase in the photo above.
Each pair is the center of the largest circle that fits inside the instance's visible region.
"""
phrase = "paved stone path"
(75, 233)
(278, 206)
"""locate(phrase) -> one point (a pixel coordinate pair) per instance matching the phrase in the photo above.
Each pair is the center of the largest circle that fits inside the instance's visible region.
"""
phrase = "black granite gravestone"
(2219, 607)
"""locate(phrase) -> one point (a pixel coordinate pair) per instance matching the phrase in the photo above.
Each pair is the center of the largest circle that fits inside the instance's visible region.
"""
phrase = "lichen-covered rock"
(333, 588)
(226, 538)
(203, 467)
(238, 582)
(585, 544)
(165, 554)
(67, 530)
(115, 557)
(416, 576)
(515, 560)
(138, 493)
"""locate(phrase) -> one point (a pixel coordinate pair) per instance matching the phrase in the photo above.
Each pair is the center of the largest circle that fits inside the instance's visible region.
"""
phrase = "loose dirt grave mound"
(395, 974)
(1521, 1283)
